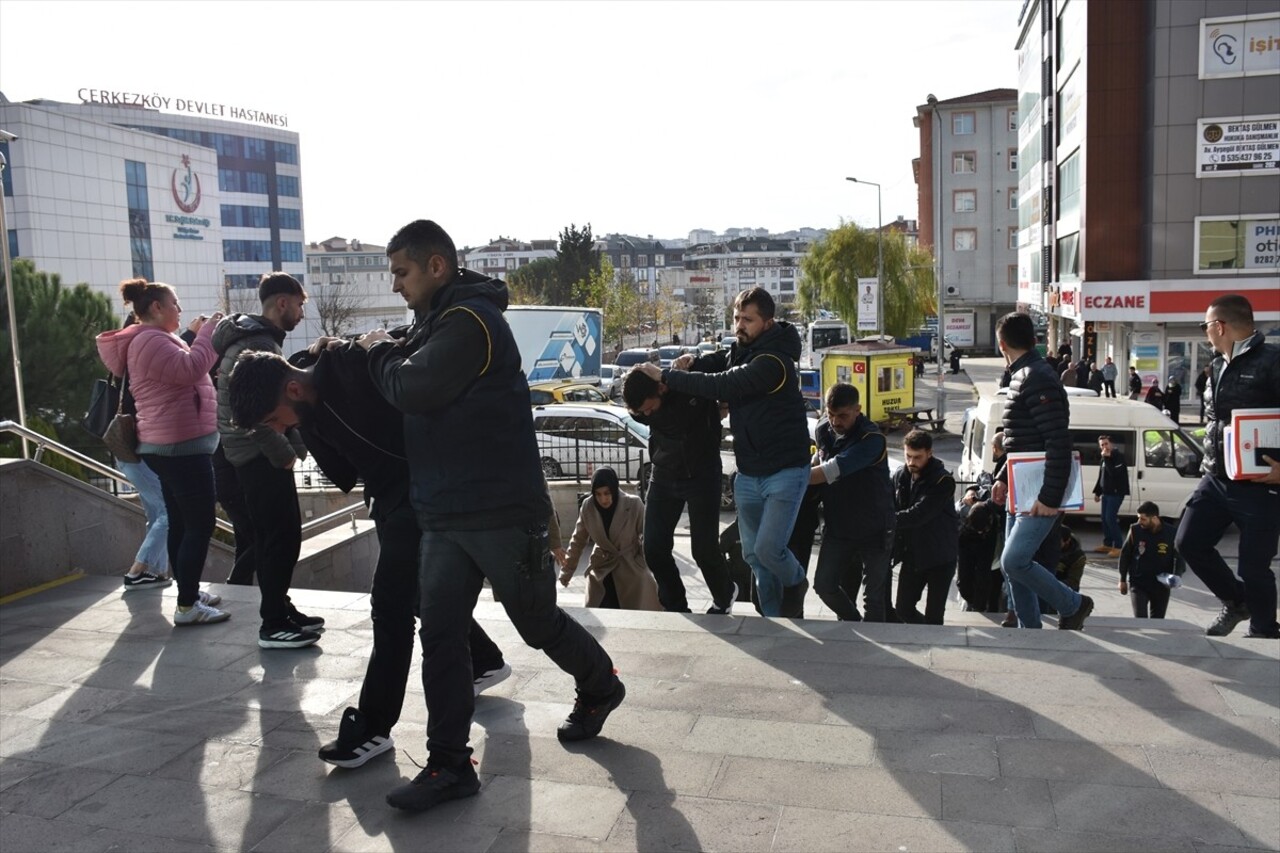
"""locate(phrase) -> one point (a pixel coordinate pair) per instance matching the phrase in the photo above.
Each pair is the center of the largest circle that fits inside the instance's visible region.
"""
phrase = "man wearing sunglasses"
(1244, 375)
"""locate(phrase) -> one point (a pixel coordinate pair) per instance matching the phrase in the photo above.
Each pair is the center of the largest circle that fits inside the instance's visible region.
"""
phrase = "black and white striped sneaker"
(286, 635)
(354, 745)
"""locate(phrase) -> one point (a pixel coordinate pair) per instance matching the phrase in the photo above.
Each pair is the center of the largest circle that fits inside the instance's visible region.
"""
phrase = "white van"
(1164, 459)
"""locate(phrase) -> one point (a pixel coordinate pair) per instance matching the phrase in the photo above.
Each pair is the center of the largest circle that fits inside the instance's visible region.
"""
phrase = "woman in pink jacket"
(177, 427)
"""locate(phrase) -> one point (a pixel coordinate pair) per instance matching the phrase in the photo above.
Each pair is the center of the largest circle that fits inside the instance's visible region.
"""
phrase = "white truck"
(557, 342)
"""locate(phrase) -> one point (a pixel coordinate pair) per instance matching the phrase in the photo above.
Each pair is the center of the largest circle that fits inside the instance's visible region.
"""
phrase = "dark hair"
(918, 439)
(1017, 330)
(1233, 309)
(421, 239)
(637, 387)
(255, 386)
(279, 284)
(1104, 435)
(841, 395)
(758, 297)
(141, 293)
(1066, 531)
(1148, 508)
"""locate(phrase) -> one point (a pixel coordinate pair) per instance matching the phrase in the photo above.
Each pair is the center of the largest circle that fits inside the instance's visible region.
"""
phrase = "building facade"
(712, 274)
(100, 192)
(967, 177)
(350, 290)
(503, 256)
(1149, 173)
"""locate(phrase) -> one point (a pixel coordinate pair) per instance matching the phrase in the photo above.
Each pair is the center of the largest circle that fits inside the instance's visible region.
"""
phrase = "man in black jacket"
(1245, 375)
(759, 378)
(926, 530)
(852, 466)
(684, 447)
(476, 484)
(1149, 552)
(354, 434)
(1111, 490)
(1036, 416)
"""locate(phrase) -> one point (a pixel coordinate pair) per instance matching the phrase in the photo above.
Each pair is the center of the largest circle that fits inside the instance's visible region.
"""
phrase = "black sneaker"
(435, 785)
(1254, 634)
(793, 599)
(285, 635)
(588, 715)
(305, 622)
(1231, 616)
(355, 744)
(727, 610)
(1075, 622)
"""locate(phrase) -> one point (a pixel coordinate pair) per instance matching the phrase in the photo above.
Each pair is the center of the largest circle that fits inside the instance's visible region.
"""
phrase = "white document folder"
(1026, 476)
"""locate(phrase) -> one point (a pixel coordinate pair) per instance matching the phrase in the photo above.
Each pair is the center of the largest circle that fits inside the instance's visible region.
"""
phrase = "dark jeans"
(912, 582)
(272, 500)
(187, 485)
(974, 578)
(1109, 385)
(1254, 508)
(1153, 600)
(227, 486)
(844, 565)
(666, 500)
(395, 604)
(452, 566)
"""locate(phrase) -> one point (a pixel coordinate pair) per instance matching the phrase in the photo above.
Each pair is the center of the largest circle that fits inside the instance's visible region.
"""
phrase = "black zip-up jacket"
(1146, 555)
(857, 499)
(1036, 418)
(761, 384)
(1251, 380)
(927, 529)
(684, 437)
(468, 425)
(1113, 474)
(353, 433)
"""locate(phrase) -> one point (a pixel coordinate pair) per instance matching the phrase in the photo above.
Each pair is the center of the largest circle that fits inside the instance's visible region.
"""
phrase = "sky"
(518, 118)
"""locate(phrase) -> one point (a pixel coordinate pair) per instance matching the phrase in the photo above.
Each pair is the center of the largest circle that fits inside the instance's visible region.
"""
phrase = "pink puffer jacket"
(169, 380)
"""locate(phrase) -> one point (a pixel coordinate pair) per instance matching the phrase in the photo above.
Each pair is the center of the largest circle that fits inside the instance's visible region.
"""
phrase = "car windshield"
(628, 358)
(669, 352)
(636, 427)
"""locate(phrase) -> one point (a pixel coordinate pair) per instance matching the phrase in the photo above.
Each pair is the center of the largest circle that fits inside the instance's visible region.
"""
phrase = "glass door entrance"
(1185, 358)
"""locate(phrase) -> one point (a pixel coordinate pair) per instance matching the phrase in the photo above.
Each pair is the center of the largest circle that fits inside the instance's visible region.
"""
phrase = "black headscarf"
(606, 477)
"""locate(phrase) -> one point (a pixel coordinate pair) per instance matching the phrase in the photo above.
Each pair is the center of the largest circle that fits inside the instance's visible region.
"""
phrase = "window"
(964, 201)
(964, 239)
(1013, 159)
(249, 250)
(286, 152)
(1013, 198)
(1069, 186)
(290, 219)
(13, 243)
(1013, 238)
(290, 252)
(285, 185)
(1013, 275)
(1013, 121)
(1232, 245)
(1069, 258)
(255, 149)
(226, 145)
(1170, 449)
(1085, 442)
(659, 261)
(8, 173)
(642, 260)
(964, 163)
(962, 124)
(626, 262)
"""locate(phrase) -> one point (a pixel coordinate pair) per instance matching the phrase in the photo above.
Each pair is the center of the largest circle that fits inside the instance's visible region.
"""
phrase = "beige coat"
(618, 553)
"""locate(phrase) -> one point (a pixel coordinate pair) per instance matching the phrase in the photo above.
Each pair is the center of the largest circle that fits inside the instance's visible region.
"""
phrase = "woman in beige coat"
(617, 575)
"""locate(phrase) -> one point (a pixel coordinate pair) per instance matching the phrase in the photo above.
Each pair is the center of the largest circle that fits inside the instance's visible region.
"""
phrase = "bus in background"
(821, 335)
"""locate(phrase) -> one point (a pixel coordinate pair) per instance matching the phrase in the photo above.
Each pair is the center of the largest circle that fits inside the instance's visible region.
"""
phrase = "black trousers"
(664, 503)
(395, 604)
(227, 487)
(912, 582)
(1149, 601)
(974, 577)
(452, 566)
(272, 500)
(187, 485)
(844, 566)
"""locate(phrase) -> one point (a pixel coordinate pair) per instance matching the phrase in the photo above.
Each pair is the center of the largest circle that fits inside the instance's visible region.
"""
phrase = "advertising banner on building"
(960, 328)
(868, 304)
(1243, 145)
(1240, 46)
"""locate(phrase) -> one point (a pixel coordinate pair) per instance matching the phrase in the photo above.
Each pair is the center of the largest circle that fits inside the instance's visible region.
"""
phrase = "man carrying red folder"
(1036, 416)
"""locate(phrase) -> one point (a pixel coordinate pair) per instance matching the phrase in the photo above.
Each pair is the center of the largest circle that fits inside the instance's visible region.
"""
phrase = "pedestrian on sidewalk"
(1202, 382)
(1135, 383)
(1109, 374)
(1148, 561)
(1173, 398)
(613, 522)
(1110, 491)
(1096, 381)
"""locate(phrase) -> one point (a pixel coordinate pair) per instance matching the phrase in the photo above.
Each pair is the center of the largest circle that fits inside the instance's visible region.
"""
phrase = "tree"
(240, 300)
(835, 263)
(56, 330)
(532, 283)
(576, 260)
(614, 296)
(336, 306)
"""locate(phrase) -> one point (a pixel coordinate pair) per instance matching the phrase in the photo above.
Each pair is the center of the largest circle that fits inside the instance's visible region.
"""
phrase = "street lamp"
(879, 255)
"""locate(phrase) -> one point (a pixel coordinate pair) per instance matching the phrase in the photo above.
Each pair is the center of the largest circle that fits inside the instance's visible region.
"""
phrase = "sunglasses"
(1204, 327)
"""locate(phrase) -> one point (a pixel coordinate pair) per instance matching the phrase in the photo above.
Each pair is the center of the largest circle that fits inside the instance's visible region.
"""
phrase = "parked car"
(632, 357)
(708, 347)
(728, 341)
(611, 380)
(576, 439)
(668, 354)
(565, 391)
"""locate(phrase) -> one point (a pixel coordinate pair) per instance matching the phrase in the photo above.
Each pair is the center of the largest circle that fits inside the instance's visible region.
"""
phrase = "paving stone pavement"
(118, 732)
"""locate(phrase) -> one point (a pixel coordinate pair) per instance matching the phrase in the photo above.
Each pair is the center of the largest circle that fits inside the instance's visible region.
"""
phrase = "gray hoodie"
(234, 335)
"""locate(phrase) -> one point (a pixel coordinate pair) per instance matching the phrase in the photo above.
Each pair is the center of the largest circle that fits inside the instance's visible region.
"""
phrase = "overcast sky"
(516, 119)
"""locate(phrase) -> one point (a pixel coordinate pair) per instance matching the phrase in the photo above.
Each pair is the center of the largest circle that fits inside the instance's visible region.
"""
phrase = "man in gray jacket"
(264, 460)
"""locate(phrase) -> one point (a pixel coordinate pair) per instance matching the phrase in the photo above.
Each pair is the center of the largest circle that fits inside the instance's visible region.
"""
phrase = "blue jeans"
(767, 509)
(154, 550)
(1028, 580)
(1112, 535)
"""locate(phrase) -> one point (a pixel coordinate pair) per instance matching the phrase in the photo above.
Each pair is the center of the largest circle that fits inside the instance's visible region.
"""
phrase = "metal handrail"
(43, 442)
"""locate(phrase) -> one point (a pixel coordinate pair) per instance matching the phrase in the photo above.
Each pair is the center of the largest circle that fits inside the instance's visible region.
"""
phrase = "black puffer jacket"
(1037, 415)
(927, 532)
(684, 437)
(1251, 380)
(761, 384)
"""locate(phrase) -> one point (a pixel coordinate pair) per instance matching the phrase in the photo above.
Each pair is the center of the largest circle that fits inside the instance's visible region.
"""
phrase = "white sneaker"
(200, 614)
(487, 679)
(210, 599)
